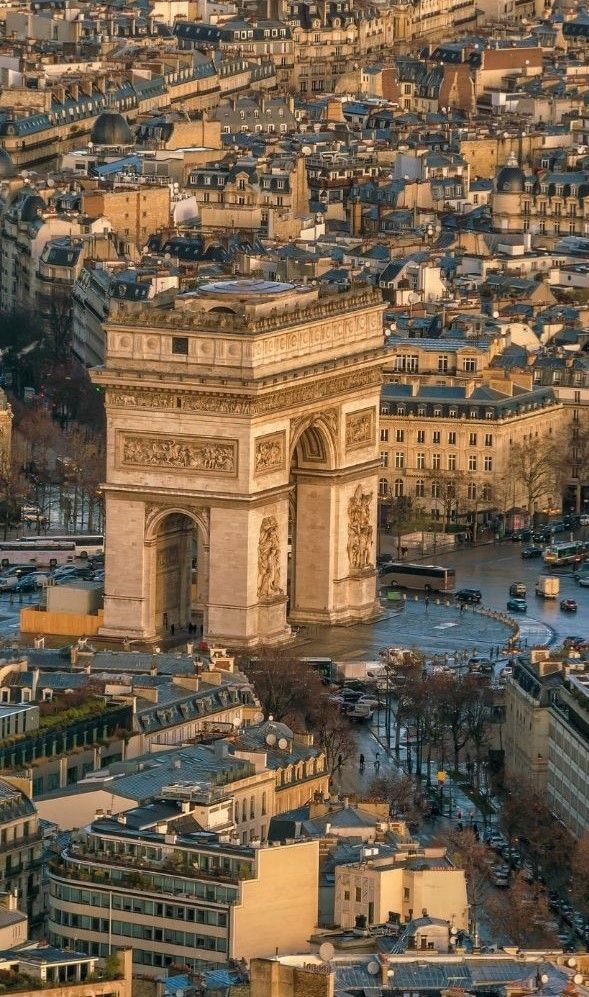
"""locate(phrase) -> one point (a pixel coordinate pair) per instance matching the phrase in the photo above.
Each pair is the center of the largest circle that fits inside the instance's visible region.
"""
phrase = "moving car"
(583, 581)
(521, 535)
(518, 590)
(472, 596)
(529, 552)
(568, 606)
(517, 605)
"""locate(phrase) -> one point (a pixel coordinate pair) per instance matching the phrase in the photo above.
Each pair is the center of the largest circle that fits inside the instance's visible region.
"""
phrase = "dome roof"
(511, 179)
(111, 128)
(7, 169)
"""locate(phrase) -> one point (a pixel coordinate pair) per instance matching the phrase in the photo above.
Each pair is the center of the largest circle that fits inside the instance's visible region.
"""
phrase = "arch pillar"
(333, 574)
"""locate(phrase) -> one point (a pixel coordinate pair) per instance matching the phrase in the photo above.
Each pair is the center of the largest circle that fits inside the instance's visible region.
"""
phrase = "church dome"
(7, 169)
(511, 179)
(111, 128)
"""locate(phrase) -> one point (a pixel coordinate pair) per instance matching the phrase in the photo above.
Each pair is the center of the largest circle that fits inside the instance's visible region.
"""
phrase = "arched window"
(383, 487)
(420, 488)
(399, 488)
(472, 490)
(435, 489)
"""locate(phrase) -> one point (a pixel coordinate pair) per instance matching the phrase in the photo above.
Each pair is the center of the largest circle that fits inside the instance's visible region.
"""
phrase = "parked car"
(472, 596)
(28, 583)
(517, 605)
(530, 552)
(583, 581)
(568, 606)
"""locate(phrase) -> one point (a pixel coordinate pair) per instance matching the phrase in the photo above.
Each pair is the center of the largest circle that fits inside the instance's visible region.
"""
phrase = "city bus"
(86, 544)
(426, 577)
(570, 552)
(47, 553)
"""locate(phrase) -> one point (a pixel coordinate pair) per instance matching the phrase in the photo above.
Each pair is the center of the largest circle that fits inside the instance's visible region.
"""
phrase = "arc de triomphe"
(242, 460)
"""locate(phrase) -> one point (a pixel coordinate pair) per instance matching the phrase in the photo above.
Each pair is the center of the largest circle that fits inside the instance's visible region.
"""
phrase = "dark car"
(471, 596)
(521, 535)
(529, 552)
(568, 606)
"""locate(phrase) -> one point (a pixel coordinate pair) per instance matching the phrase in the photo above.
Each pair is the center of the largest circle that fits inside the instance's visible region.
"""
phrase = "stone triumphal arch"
(242, 460)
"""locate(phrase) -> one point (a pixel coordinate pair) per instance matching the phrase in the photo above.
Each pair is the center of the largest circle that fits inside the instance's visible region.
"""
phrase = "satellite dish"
(259, 718)
(271, 739)
(373, 968)
(306, 150)
(577, 978)
(283, 743)
(571, 962)
(453, 930)
(326, 951)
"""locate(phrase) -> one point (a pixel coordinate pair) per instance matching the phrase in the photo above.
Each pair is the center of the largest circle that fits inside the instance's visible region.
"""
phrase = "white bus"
(86, 544)
(45, 554)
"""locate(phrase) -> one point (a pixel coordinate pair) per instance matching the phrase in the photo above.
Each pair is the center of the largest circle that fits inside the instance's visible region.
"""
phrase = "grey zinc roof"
(198, 762)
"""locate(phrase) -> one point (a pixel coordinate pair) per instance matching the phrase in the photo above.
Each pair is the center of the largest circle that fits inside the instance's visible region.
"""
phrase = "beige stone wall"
(526, 737)
(278, 910)
(133, 213)
(375, 892)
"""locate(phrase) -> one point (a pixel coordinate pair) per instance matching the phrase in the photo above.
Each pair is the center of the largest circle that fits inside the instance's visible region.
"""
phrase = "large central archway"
(179, 572)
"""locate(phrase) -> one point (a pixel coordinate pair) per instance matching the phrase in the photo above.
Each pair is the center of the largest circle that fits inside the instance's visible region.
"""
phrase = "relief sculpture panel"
(360, 429)
(270, 453)
(360, 529)
(269, 559)
(184, 454)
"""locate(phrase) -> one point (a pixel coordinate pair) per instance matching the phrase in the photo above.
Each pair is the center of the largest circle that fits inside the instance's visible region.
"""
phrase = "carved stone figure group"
(191, 455)
(269, 559)
(360, 529)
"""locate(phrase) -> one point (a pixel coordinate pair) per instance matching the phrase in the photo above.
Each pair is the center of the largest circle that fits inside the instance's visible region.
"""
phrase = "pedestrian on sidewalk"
(376, 763)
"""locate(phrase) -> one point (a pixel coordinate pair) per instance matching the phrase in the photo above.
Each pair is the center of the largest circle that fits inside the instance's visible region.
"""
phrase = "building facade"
(448, 446)
(181, 899)
(568, 753)
(21, 849)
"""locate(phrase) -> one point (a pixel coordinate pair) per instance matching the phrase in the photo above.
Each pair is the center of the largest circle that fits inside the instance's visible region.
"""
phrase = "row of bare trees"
(53, 464)
(446, 715)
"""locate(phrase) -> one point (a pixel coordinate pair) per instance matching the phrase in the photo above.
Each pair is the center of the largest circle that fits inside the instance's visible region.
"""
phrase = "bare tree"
(468, 853)
(521, 914)
(286, 686)
(536, 470)
(333, 730)
(400, 793)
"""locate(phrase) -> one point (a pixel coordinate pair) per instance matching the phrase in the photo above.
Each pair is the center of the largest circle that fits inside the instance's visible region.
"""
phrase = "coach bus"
(48, 553)
(85, 544)
(425, 577)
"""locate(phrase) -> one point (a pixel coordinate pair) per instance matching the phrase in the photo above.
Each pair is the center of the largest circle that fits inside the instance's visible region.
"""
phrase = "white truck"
(548, 586)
